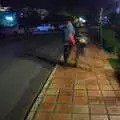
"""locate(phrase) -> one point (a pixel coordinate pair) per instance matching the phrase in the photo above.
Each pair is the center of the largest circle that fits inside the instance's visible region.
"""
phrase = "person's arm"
(73, 30)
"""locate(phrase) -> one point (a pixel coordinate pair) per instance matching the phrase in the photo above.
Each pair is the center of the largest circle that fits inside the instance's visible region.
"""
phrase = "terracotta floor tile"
(58, 74)
(92, 87)
(46, 107)
(57, 81)
(80, 76)
(80, 93)
(60, 116)
(80, 100)
(74, 90)
(116, 87)
(117, 93)
(91, 82)
(108, 93)
(80, 117)
(64, 108)
(99, 117)
(103, 82)
(101, 76)
(90, 76)
(66, 92)
(42, 116)
(114, 82)
(109, 73)
(115, 117)
(53, 86)
(98, 109)
(113, 109)
(96, 100)
(52, 92)
(49, 99)
(94, 93)
(68, 73)
(106, 87)
(80, 109)
(81, 87)
(79, 82)
(68, 81)
(67, 86)
(68, 76)
(111, 100)
(64, 99)
(118, 100)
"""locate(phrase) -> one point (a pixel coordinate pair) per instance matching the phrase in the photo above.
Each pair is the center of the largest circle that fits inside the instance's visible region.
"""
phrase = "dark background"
(61, 4)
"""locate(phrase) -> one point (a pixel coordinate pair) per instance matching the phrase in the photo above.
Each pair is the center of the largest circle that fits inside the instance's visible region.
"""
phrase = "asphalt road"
(24, 67)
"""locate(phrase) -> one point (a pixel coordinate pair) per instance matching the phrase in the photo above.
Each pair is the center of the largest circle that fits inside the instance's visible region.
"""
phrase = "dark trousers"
(79, 51)
(67, 49)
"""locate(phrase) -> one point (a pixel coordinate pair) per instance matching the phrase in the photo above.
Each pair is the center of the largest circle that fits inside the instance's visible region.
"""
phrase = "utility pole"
(100, 27)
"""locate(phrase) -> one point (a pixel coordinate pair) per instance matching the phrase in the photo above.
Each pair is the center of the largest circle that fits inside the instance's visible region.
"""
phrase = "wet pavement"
(88, 92)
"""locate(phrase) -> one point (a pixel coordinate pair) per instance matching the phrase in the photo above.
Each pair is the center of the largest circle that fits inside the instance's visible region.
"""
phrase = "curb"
(33, 110)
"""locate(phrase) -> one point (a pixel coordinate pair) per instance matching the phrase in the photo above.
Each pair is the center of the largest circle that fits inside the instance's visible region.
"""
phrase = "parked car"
(45, 27)
(12, 30)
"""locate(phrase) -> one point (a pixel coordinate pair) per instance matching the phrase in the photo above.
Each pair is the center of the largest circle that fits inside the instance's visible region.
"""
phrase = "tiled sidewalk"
(82, 93)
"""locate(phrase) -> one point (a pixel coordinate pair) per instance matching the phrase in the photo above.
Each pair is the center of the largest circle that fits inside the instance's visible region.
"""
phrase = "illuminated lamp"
(9, 18)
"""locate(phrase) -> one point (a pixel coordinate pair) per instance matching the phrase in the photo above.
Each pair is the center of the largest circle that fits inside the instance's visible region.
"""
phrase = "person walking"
(69, 40)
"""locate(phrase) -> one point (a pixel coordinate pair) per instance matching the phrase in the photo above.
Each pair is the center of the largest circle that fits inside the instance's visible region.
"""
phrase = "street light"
(9, 18)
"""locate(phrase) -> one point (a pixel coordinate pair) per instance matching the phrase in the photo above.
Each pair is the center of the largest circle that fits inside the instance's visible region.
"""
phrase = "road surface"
(24, 65)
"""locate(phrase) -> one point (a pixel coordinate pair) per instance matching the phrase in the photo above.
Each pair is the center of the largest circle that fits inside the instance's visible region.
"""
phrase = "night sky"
(60, 4)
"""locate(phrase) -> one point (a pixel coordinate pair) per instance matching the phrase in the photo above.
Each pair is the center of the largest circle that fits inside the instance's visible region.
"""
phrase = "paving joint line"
(107, 113)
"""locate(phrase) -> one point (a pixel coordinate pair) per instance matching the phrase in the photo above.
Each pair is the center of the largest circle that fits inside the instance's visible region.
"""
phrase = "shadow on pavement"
(50, 60)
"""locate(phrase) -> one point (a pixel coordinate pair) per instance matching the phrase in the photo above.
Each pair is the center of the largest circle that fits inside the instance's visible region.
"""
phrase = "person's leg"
(66, 53)
(87, 56)
(77, 55)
